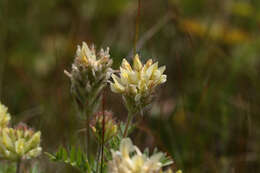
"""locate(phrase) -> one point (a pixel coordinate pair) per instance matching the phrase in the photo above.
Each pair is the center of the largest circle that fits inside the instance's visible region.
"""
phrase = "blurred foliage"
(11, 168)
(206, 116)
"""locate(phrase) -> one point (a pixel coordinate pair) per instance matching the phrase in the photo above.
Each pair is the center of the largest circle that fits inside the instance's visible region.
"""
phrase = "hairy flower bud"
(4, 116)
(110, 126)
(19, 143)
(89, 75)
(137, 84)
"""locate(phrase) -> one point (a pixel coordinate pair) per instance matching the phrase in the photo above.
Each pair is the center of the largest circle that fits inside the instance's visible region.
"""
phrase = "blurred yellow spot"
(242, 9)
(216, 31)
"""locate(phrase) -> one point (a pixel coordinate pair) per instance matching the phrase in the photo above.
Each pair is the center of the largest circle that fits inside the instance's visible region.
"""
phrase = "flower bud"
(110, 126)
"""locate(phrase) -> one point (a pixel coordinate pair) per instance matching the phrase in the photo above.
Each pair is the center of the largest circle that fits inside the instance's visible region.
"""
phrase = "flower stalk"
(128, 124)
(18, 166)
(87, 135)
(103, 132)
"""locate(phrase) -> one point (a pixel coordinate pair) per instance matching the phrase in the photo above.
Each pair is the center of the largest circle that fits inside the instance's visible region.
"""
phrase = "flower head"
(110, 126)
(4, 116)
(137, 83)
(90, 73)
(87, 57)
(19, 143)
(129, 159)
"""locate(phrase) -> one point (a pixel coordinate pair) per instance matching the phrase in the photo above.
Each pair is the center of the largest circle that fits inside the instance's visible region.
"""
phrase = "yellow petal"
(116, 86)
(137, 63)
(162, 69)
(151, 69)
(7, 140)
(126, 65)
(126, 146)
(148, 64)
(19, 146)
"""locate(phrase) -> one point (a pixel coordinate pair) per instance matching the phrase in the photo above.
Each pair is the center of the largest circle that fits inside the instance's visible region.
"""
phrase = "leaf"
(73, 157)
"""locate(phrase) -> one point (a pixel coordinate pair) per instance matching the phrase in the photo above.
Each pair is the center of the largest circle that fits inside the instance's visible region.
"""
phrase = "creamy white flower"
(4, 116)
(137, 84)
(129, 159)
(141, 79)
(19, 143)
(87, 57)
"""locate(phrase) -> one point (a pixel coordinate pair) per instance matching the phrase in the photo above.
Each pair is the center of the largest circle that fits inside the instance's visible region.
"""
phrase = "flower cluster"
(129, 159)
(19, 143)
(89, 75)
(4, 116)
(110, 126)
(137, 83)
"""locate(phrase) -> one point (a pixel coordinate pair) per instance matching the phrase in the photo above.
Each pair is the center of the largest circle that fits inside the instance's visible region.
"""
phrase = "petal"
(125, 64)
(163, 79)
(7, 140)
(162, 69)
(126, 146)
(117, 88)
(148, 64)
(137, 63)
(151, 69)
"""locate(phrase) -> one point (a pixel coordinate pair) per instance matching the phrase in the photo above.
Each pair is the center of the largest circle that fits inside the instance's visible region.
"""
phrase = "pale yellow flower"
(4, 116)
(138, 83)
(129, 159)
(19, 143)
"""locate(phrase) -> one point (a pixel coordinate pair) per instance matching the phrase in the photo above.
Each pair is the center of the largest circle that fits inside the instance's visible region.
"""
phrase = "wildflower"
(129, 159)
(4, 116)
(19, 143)
(89, 74)
(137, 84)
(110, 126)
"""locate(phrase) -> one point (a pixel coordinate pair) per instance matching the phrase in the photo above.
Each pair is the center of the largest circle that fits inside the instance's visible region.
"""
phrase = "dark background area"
(207, 114)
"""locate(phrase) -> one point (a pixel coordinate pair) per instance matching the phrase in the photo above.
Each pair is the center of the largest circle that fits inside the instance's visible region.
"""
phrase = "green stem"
(103, 132)
(18, 166)
(98, 158)
(87, 135)
(129, 121)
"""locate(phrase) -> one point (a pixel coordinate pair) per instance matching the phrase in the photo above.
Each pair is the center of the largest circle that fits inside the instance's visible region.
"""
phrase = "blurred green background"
(207, 114)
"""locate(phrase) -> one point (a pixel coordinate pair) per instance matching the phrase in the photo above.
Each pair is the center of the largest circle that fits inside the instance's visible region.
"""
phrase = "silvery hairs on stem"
(89, 75)
(137, 84)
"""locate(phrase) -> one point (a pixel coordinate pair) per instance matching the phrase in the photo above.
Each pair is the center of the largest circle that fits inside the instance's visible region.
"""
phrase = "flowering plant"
(115, 151)
(19, 143)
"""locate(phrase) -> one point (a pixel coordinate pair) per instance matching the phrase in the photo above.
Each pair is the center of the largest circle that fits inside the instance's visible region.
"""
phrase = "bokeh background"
(207, 114)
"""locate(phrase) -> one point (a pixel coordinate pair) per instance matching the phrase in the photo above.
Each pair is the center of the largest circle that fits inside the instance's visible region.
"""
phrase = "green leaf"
(73, 157)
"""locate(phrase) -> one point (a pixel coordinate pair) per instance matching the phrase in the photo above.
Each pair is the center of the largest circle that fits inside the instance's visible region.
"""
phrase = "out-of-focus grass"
(207, 113)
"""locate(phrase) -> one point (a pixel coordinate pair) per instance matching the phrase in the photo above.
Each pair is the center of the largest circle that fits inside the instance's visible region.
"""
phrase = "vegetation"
(204, 117)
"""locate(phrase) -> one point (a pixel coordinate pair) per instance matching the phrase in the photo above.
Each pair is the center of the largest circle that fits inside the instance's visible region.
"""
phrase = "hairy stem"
(129, 121)
(18, 166)
(103, 133)
(87, 135)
